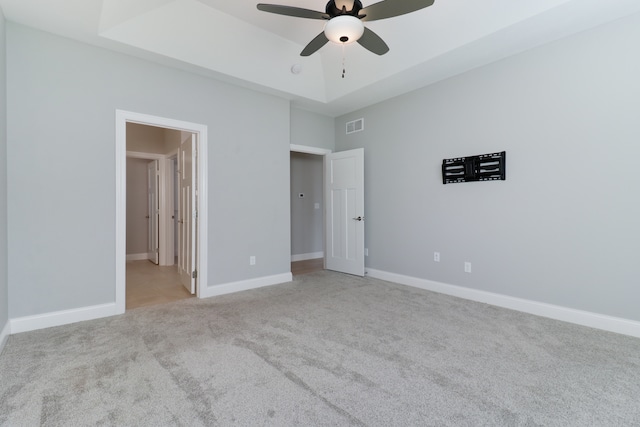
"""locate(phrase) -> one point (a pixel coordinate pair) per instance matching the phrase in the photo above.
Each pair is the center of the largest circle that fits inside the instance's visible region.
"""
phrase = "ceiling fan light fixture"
(344, 29)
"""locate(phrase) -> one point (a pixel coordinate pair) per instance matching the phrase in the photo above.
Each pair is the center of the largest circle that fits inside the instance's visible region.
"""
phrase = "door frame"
(295, 148)
(122, 118)
(169, 236)
(309, 150)
(153, 212)
(165, 242)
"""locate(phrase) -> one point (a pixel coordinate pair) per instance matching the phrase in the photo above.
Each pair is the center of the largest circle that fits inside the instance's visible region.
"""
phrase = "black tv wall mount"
(485, 167)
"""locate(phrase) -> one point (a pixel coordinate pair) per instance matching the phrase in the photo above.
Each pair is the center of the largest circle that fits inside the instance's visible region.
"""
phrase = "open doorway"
(154, 224)
(155, 150)
(343, 213)
(307, 207)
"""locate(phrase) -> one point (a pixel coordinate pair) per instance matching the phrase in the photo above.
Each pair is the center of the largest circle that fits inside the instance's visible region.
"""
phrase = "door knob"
(147, 216)
(359, 218)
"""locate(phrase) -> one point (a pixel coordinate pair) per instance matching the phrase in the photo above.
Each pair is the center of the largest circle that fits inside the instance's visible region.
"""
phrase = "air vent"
(355, 126)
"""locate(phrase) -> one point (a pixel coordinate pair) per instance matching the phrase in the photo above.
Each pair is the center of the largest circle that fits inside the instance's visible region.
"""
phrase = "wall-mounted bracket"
(485, 167)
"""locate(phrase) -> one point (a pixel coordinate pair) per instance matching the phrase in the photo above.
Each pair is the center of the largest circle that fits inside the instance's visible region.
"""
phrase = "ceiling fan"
(345, 21)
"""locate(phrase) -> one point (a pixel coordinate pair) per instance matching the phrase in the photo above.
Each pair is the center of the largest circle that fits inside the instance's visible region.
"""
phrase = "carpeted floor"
(326, 349)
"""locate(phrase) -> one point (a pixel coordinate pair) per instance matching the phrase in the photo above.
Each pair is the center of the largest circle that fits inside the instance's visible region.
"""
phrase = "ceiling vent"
(355, 126)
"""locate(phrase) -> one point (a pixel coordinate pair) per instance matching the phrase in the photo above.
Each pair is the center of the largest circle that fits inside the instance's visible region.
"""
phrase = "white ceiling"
(233, 41)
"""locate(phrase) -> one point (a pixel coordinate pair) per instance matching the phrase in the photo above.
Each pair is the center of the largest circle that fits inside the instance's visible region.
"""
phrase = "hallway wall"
(137, 210)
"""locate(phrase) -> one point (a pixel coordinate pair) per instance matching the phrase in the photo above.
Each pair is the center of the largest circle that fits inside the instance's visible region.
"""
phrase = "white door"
(188, 215)
(153, 211)
(344, 216)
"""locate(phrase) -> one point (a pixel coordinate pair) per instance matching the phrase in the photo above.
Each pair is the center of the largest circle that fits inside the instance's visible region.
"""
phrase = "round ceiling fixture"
(344, 29)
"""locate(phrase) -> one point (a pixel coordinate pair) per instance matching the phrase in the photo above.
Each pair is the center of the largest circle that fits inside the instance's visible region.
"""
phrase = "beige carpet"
(327, 349)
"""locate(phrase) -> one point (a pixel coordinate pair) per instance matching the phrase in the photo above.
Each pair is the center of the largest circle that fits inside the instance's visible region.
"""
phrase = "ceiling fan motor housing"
(332, 9)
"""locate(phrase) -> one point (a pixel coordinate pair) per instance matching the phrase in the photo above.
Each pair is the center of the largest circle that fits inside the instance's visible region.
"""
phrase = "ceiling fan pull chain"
(344, 70)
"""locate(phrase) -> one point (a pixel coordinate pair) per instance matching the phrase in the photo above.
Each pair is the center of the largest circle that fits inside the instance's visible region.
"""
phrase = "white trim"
(309, 150)
(64, 317)
(167, 221)
(304, 257)
(122, 118)
(579, 317)
(4, 335)
(137, 257)
(245, 285)
(121, 212)
(145, 156)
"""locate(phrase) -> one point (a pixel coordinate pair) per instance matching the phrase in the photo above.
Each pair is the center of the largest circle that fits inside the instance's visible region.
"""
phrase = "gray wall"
(4, 287)
(61, 180)
(564, 227)
(306, 221)
(312, 129)
(137, 208)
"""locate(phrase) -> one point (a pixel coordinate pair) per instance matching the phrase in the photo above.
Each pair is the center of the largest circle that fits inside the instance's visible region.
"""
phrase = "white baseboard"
(4, 335)
(245, 285)
(137, 257)
(64, 317)
(304, 257)
(579, 317)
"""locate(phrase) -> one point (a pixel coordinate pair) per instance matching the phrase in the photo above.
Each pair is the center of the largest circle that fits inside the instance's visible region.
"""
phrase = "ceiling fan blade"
(292, 11)
(315, 44)
(390, 8)
(371, 41)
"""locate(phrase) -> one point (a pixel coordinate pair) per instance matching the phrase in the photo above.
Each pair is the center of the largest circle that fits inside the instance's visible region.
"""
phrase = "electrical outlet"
(467, 267)
(436, 256)
(252, 260)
